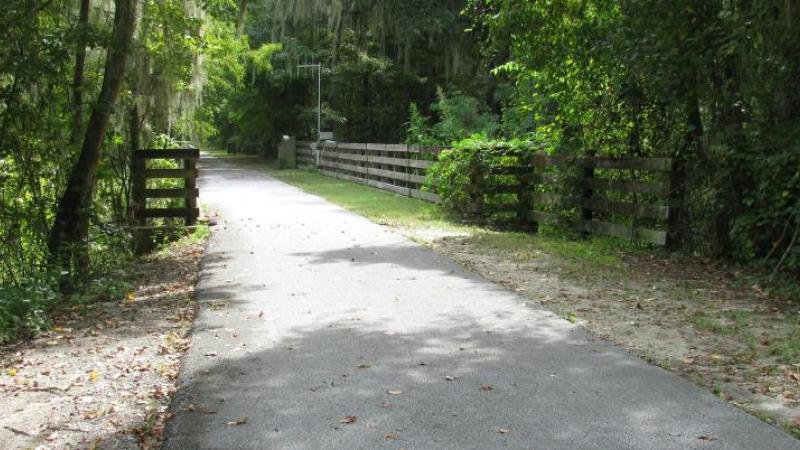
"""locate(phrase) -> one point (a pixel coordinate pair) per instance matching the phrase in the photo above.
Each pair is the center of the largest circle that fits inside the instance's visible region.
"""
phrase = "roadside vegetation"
(101, 375)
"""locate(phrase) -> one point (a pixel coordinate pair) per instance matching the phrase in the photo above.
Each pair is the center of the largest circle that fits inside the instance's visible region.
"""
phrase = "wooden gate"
(189, 192)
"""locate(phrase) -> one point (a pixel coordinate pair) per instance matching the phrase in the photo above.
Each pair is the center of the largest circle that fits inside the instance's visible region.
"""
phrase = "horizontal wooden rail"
(181, 153)
(172, 193)
(171, 173)
(143, 231)
(595, 198)
(165, 213)
(392, 167)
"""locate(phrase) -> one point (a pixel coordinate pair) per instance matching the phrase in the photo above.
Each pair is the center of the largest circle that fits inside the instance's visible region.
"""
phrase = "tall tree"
(78, 74)
(68, 242)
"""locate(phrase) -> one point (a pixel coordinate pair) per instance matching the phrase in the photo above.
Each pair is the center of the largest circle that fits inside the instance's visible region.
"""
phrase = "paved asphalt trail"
(315, 314)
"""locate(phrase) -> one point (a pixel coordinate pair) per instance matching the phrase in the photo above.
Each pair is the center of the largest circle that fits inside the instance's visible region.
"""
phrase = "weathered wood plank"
(352, 157)
(423, 195)
(165, 213)
(171, 173)
(420, 163)
(550, 198)
(350, 146)
(625, 232)
(387, 147)
(657, 212)
(178, 153)
(418, 179)
(172, 193)
(542, 217)
(389, 187)
(632, 186)
(631, 163)
(389, 174)
(389, 161)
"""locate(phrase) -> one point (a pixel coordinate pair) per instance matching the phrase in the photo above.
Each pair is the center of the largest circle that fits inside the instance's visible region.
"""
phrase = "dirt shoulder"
(103, 376)
(687, 317)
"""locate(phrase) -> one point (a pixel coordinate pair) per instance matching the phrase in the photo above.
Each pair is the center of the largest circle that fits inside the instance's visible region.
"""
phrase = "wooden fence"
(626, 197)
(189, 192)
(189, 212)
(398, 168)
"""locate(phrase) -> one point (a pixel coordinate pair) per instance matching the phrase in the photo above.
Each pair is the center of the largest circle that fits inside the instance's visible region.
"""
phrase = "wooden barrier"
(397, 168)
(626, 197)
(623, 197)
(141, 193)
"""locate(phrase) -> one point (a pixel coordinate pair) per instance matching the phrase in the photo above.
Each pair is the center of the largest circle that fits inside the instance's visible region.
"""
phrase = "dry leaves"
(239, 421)
(348, 419)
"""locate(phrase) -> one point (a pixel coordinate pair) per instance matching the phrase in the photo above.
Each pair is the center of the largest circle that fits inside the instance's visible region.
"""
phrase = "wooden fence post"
(475, 189)
(190, 164)
(138, 167)
(525, 185)
(588, 192)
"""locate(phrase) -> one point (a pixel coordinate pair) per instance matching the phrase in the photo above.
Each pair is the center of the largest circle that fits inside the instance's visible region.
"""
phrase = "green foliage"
(419, 131)
(459, 116)
(24, 307)
(458, 171)
(261, 58)
(712, 84)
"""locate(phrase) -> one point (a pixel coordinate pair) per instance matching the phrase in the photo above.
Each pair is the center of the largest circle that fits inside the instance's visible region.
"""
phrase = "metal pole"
(319, 94)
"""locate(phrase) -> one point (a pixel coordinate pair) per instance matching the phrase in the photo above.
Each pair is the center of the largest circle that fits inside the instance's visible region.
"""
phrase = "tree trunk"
(242, 18)
(77, 78)
(68, 242)
(678, 220)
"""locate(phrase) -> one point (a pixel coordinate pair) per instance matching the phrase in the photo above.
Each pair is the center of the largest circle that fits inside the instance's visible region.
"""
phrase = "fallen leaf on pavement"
(211, 354)
(450, 378)
(394, 392)
(364, 365)
(349, 419)
(391, 436)
(502, 430)
(706, 438)
(486, 387)
(239, 421)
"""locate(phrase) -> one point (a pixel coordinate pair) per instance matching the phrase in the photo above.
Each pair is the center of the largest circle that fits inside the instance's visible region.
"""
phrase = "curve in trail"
(320, 329)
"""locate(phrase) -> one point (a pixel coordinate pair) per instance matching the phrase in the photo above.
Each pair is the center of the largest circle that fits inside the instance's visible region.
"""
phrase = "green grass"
(786, 349)
(379, 206)
(413, 215)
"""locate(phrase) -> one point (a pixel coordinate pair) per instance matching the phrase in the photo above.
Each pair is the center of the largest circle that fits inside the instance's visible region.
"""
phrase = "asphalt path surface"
(320, 329)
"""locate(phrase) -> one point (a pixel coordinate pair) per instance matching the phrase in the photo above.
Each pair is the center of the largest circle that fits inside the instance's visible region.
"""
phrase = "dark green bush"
(465, 172)
(23, 308)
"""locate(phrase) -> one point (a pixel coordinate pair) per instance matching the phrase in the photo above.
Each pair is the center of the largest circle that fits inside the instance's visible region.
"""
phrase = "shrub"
(23, 308)
(475, 160)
